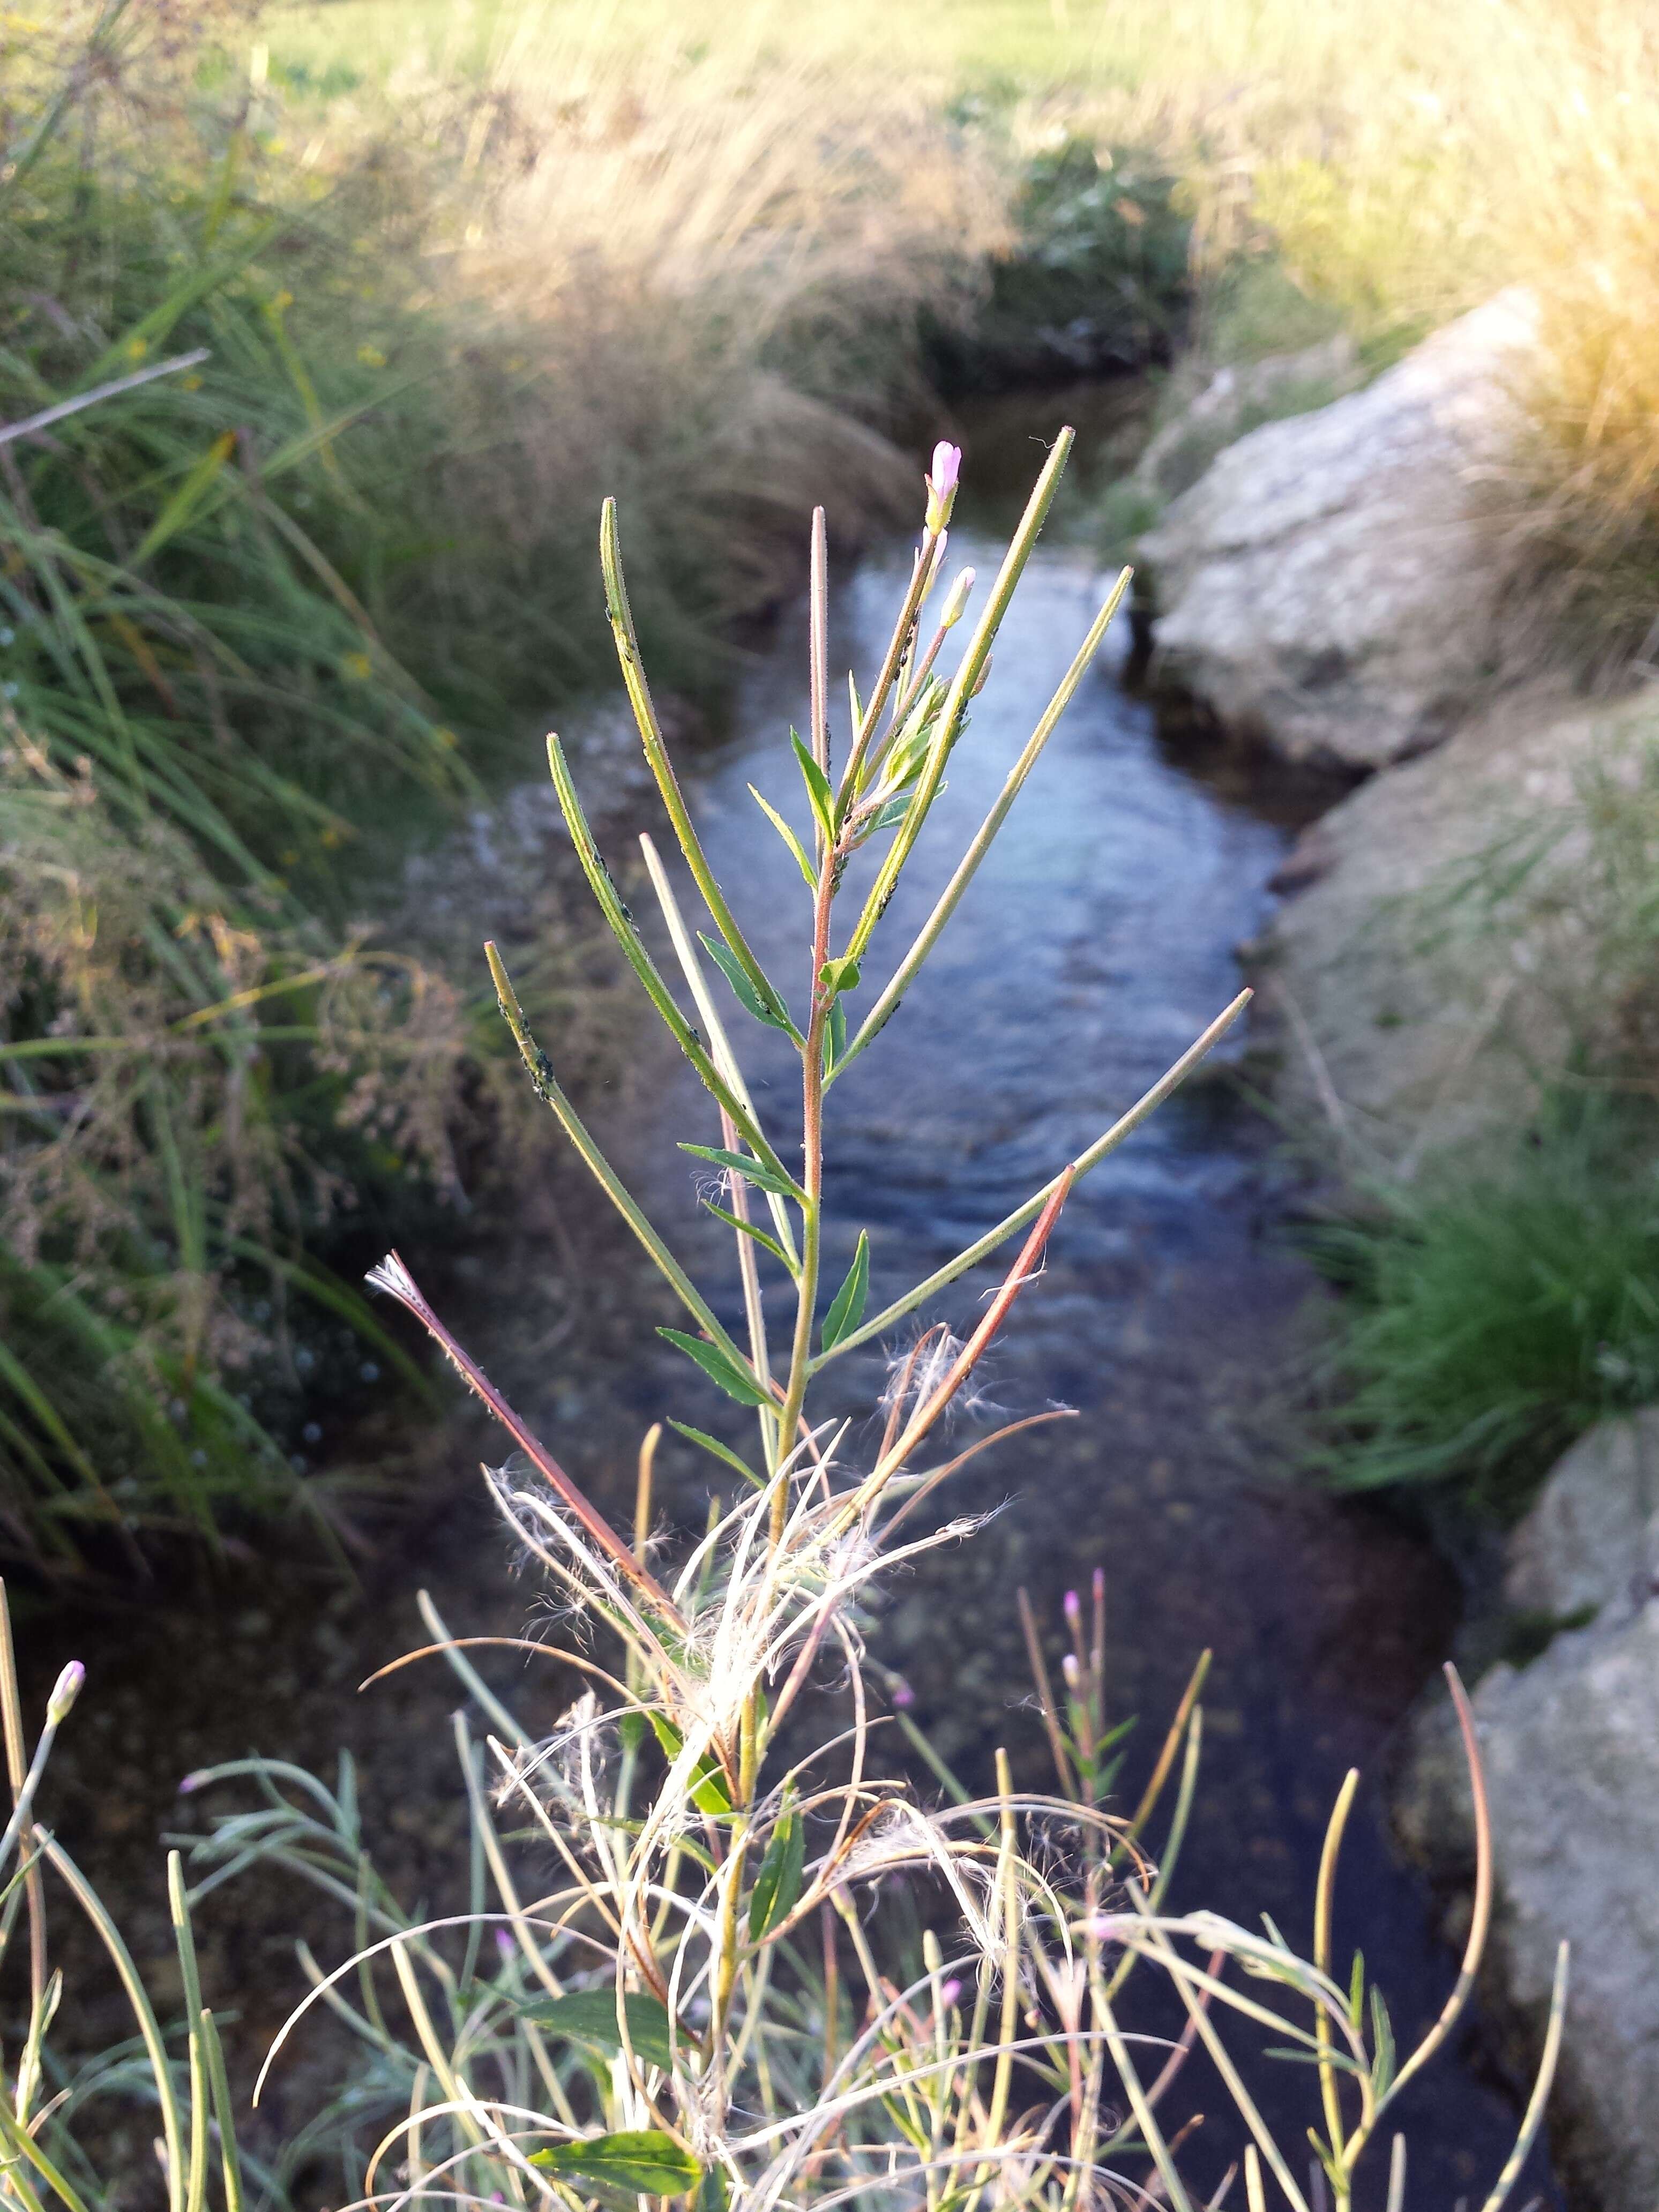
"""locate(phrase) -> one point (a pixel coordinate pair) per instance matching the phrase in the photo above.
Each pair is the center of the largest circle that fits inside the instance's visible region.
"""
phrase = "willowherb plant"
(697, 2008)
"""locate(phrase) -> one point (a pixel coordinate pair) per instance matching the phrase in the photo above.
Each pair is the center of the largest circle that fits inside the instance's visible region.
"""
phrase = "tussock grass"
(1400, 163)
(1492, 1318)
(264, 615)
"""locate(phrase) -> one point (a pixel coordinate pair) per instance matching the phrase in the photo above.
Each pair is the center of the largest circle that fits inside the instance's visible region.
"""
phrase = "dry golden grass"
(1405, 161)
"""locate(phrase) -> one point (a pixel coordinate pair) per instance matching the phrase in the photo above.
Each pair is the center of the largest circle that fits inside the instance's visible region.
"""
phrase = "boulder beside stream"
(1444, 947)
(1327, 586)
(1570, 1746)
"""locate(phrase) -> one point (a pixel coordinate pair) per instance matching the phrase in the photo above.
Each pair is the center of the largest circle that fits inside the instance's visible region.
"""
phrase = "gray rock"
(1223, 406)
(1421, 1010)
(1591, 1544)
(1571, 1748)
(1327, 585)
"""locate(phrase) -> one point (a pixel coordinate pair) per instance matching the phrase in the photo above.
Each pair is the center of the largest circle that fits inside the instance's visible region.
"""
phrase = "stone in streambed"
(1327, 586)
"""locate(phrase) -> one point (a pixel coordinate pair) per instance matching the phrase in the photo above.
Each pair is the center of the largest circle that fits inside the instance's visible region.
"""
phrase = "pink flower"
(942, 483)
(902, 1694)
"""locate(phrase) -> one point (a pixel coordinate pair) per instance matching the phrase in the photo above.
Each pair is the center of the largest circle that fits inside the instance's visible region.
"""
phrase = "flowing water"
(1097, 939)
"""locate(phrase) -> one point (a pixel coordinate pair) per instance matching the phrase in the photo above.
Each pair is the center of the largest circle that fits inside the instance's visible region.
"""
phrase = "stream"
(1097, 941)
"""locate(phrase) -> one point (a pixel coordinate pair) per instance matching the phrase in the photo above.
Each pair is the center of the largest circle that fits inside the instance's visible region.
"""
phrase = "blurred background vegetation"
(267, 620)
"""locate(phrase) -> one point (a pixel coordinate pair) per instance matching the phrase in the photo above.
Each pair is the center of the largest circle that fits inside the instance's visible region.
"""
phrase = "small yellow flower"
(371, 356)
(356, 668)
(446, 739)
(137, 348)
(192, 383)
(333, 835)
(281, 302)
(290, 859)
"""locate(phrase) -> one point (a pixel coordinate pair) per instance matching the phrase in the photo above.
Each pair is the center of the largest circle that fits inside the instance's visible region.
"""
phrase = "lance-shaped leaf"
(817, 790)
(777, 1886)
(637, 2161)
(748, 998)
(720, 1450)
(738, 1382)
(709, 1791)
(755, 1172)
(787, 836)
(847, 1307)
(589, 2017)
(752, 1228)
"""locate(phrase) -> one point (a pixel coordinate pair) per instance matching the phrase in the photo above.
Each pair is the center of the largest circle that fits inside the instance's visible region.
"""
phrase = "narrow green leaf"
(643, 2162)
(788, 837)
(1339, 2059)
(186, 499)
(777, 1886)
(709, 1791)
(847, 1307)
(720, 1450)
(749, 1229)
(1357, 1990)
(839, 976)
(817, 790)
(753, 1171)
(748, 997)
(736, 1382)
(834, 1036)
(713, 2195)
(1383, 2042)
(589, 2017)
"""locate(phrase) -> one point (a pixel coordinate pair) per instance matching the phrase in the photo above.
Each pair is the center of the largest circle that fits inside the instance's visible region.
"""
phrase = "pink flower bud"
(948, 1993)
(903, 1694)
(1074, 1611)
(1109, 1927)
(506, 1944)
(957, 600)
(942, 483)
(65, 1691)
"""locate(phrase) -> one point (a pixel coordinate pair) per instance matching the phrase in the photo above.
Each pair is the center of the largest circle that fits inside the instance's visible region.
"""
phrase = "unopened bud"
(957, 601)
(982, 680)
(66, 1690)
(942, 483)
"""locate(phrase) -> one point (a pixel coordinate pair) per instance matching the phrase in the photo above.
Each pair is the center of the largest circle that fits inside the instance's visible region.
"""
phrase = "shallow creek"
(1097, 939)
